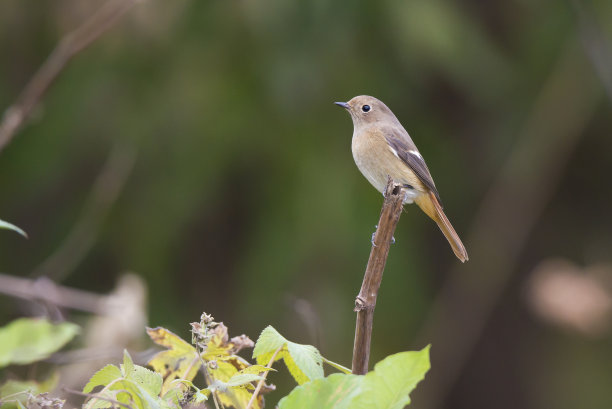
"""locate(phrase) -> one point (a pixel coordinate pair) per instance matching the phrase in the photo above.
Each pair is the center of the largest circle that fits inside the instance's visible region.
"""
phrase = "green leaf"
(102, 378)
(201, 396)
(243, 379)
(337, 391)
(127, 369)
(17, 391)
(129, 393)
(267, 343)
(393, 378)
(173, 396)
(303, 361)
(9, 226)
(308, 360)
(28, 340)
(387, 387)
(147, 379)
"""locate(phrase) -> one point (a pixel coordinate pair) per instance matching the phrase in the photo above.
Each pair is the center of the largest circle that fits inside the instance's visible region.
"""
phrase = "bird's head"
(366, 110)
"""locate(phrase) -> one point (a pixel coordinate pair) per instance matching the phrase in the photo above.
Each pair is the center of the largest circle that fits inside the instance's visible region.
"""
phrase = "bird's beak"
(342, 104)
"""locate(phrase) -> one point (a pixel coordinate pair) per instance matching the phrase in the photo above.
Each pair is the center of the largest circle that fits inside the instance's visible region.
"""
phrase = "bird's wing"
(407, 151)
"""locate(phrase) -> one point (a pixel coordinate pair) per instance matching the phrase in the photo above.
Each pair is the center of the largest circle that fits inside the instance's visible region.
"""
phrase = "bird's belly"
(377, 168)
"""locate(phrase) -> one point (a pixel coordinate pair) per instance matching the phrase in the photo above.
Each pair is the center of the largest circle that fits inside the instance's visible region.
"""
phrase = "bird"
(382, 148)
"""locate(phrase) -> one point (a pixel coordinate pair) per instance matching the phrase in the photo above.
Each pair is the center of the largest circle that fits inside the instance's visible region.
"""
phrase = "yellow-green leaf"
(337, 391)
(179, 361)
(28, 340)
(303, 361)
(102, 378)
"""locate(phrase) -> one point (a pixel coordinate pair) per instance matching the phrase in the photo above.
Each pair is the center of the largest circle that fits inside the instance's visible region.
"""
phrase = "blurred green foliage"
(245, 201)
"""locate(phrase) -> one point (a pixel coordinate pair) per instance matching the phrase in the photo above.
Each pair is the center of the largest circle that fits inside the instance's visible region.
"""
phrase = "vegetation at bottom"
(206, 372)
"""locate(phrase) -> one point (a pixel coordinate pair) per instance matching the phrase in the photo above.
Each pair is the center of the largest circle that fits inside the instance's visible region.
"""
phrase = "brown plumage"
(382, 147)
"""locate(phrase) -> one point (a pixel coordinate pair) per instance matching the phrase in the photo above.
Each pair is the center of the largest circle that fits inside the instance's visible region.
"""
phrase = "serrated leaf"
(337, 391)
(243, 379)
(179, 361)
(303, 361)
(388, 386)
(147, 379)
(103, 377)
(127, 368)
(28, 340)
(307, 359)
(9, 226)
(268, 342)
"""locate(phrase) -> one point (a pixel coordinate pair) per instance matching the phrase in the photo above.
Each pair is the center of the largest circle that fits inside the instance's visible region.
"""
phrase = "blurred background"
(191, 159)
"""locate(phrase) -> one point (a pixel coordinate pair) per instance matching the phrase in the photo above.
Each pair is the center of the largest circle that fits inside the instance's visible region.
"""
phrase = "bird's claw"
(374, 235)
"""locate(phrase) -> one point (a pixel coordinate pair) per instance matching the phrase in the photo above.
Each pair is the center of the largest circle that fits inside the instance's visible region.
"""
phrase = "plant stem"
(263, 379)
(337, 366)
(366, 300)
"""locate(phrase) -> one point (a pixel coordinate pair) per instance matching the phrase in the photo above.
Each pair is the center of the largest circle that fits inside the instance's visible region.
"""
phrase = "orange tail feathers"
(430, 205)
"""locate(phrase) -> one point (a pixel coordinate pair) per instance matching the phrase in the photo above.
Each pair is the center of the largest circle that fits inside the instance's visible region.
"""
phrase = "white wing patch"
(394, 151)
(415, 153)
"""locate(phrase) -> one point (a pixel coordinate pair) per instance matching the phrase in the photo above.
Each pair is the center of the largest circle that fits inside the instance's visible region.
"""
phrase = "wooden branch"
(366, 300)
(104, 193)
(73, 43)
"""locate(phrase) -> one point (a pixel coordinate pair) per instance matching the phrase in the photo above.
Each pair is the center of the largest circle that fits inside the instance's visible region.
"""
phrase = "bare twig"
(366, 300)
(263, 379)
(73, 43)
(48, 292)
(103, 195)
(94, 396)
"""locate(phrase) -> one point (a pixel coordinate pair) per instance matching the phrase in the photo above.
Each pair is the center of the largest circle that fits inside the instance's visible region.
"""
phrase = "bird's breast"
(376, 161)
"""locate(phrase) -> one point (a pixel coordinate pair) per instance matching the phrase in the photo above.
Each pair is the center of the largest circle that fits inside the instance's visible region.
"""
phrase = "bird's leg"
(374, 235)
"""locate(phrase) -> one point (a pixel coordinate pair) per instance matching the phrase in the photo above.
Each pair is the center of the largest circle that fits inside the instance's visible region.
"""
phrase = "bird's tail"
(430, 205)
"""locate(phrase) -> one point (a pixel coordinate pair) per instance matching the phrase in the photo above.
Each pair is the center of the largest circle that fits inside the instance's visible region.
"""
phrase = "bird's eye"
(365, 108)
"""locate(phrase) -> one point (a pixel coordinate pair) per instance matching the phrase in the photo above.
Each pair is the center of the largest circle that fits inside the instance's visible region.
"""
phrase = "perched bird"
(382, 147)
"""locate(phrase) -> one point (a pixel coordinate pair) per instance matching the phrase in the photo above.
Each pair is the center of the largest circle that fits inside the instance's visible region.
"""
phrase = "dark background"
(244, 201)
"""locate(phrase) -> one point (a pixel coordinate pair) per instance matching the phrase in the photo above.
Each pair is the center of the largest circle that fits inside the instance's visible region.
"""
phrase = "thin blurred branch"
(366, 300)
(96, 396)
(309, 316)
(508, 213)
(70, 45)
(597, 48)
(46, 291)
(106, 189)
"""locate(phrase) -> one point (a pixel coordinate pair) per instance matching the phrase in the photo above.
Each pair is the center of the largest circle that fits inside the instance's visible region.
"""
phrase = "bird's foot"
(374, 235)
